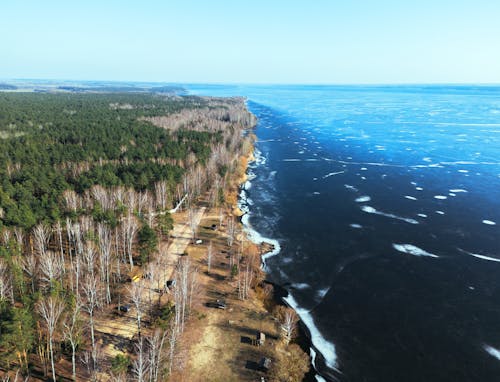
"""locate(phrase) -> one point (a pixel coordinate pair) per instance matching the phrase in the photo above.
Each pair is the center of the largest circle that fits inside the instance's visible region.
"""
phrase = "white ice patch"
(322, 292)
(483, 257)
(492, 351)
(457, 190)
(412, 250)
(422, 215)
(440, 197)
(463, 171)
(332, 174)
(440, 212)
(419, 188)
(489, 222)
(349, 187)
(354, 225)
(363, 169)
(371, 210)
(363, 199)
(327, 349)
(452, 194)
(410, 197)
(300, 286)
(316, 193)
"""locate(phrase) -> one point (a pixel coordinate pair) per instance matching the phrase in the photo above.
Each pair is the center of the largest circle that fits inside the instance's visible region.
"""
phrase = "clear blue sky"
(252, 41)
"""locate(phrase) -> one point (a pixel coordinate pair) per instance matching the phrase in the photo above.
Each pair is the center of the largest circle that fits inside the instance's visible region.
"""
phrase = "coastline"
(271, 247)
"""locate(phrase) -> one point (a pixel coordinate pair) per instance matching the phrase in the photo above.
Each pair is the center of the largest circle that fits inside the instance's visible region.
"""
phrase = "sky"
(252, 41)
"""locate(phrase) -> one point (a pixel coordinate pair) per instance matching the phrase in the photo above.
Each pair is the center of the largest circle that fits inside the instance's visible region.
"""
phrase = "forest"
(56, 142)
(87, 185)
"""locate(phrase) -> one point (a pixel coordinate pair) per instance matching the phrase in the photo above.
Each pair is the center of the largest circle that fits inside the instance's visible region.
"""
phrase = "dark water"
(386, 205)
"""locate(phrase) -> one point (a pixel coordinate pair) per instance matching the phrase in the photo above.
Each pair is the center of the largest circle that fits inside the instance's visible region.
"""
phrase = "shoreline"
(281, 296)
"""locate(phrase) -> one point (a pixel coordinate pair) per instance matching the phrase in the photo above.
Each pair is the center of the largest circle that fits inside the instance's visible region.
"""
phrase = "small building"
(260, 339)
(265, 364)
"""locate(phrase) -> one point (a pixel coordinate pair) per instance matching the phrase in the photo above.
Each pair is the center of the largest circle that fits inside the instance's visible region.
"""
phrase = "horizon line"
(229, 83)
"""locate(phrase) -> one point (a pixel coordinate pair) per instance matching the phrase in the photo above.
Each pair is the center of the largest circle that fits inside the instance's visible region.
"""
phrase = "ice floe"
(371, 210)
(419, 188)
(492, 351)
(332, 174)
(349, 187)
(489, 222)
(457, 190)
(440, 212)
(354, 225)
(422, 215)
(412, 250)
(440, 197)
(410, 197)
(482, 257)
(363, 199)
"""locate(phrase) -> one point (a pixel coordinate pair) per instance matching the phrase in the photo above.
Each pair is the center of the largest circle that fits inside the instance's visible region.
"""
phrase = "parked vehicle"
(218, 304)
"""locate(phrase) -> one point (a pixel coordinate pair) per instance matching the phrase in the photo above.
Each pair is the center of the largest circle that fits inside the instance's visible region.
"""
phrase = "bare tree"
(155, 343)
(245, 279)
(136, 292)
(193, 222)
(231, 231)
(173, 337)
(130, 228)
(287, 319)
(30, 267)
(140, 364)
(6, 291)
(105, 244)
(210, 252)
(184, 291)
(41, 237)
(72, 333)
(161, 193)
(91, 290)
(50, 309)
(51, 266)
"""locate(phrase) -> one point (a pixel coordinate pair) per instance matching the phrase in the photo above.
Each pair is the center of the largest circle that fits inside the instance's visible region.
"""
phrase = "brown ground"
(219, 342)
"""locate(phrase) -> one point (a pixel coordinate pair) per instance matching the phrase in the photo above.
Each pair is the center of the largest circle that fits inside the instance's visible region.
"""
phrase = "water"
(385, 203)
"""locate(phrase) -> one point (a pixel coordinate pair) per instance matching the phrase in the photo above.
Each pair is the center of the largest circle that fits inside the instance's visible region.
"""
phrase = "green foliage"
(120, 364)
(165, 315)
(147, 242)
(164, 223)
(234, 270)
(17, 334)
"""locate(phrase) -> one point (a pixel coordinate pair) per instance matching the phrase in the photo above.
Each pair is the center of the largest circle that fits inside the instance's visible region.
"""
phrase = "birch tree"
(50, 309)
(6, 291)
(136, 292)
(92, 302)
(72, 333)
(105, 244)
(210, 252)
